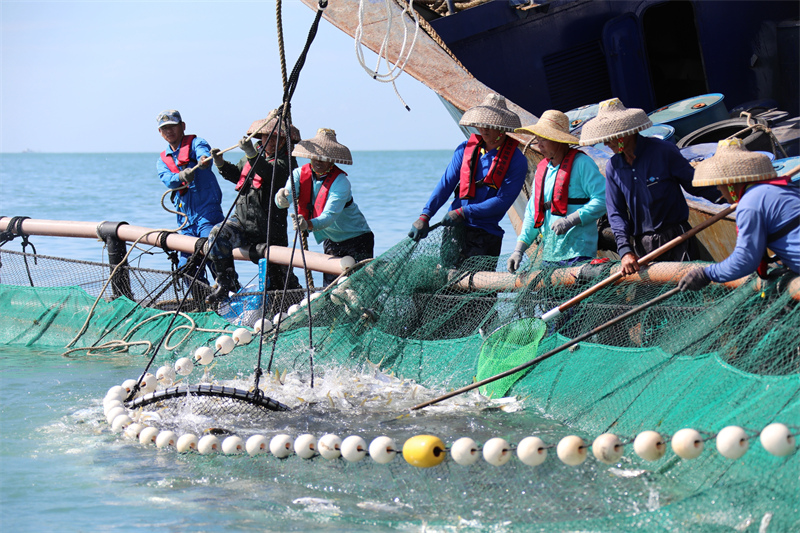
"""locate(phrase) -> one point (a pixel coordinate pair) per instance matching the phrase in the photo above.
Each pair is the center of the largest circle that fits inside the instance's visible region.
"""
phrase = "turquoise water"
(63, 470)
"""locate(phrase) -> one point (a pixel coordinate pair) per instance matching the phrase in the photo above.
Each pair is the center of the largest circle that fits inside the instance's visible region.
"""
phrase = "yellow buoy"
(424, 451)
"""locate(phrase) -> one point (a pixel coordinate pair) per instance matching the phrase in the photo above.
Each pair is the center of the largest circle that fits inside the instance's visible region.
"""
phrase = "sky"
(92, 76)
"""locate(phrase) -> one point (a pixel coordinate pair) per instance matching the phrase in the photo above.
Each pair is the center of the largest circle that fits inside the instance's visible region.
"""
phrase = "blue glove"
(453, 217)
(419, 229)
(694, 280)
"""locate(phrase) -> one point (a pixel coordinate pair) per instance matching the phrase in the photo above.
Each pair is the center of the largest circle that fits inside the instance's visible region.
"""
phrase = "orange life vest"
(304, 205)
(497, 171)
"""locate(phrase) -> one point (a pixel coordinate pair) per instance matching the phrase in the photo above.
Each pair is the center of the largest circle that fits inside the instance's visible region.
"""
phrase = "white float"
(305, 446)
(166, 439)
(778, 440)
(224, 344)
(204, 355)
(330, 446)
(132, 431)
(120, 422)
(732, 442)
(148, 436)
(687, 443)
(496, 451)
(184, 366)
(464, 451)
(165, 375)
(607, 448)
(208, 444)
(354, 448)
(532, 451)
(233, 445)
(255, 445)
(242, 336)
(114, 412)
(186, 443)
(649, 445)
(571, 450)
(382, 450)
(262, 325)
(281, 446)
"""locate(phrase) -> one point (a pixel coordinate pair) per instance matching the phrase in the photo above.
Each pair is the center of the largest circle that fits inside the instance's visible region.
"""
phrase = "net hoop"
(180, 391)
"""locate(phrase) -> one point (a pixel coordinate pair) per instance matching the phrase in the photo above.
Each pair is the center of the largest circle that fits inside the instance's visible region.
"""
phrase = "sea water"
(63, 470)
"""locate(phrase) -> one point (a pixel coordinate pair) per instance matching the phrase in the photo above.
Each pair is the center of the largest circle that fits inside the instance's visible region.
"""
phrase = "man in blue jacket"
(768, 214)
(196, 193)
(487, 173)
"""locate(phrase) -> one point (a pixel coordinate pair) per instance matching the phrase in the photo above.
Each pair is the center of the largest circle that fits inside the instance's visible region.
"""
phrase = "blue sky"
(92, 76)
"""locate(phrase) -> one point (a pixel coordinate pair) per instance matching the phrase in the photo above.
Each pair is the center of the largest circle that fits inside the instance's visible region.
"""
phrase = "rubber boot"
(227, 281)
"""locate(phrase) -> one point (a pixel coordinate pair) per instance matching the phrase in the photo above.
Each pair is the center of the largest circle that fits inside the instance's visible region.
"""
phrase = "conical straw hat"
(552, 125)
(733, 163)
(492, 113)
(613, 121)
(266, 125)
(324, 147)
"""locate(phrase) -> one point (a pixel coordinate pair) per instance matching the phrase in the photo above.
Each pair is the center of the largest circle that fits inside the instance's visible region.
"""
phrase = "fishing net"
(419, 320)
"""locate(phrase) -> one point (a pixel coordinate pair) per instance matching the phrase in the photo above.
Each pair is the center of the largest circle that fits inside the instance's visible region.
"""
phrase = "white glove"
(282, 198)
(299, 222)
(562, 225)
(247, 146)
(516, 257)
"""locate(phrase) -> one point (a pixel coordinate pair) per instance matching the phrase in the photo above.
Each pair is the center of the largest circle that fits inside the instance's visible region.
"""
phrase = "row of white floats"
(427, 451)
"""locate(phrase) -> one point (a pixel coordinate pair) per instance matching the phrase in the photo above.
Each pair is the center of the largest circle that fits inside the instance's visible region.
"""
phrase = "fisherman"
(646, 207)
(768, 214)
(178, 167)
(568, 197)
(253, 214)
(487, 173)
(325, 202)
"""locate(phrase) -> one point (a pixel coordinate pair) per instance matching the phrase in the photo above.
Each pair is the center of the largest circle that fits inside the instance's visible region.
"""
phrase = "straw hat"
(324, 147)
(552, 125)
(492, 113)
(733, 163)
(266, 125)
(613, 121)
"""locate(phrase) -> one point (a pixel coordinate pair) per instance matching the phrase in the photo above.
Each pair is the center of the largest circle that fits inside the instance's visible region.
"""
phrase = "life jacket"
(184, 155)
(257, 179)
(777, 234)
(558, 206)
(304, 205)
(497, 171)
(184, 158)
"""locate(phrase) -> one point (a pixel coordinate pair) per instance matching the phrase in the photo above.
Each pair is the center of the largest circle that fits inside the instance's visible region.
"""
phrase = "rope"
(392, 73)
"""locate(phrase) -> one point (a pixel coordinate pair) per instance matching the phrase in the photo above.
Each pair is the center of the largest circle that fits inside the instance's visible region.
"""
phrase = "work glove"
(562, 225)
(299, 222)
(419, 229)
(186, 175)
(282, 198)
(694, 280)
(453, 217)
(247, 146)
(515, 259)
(216, 154)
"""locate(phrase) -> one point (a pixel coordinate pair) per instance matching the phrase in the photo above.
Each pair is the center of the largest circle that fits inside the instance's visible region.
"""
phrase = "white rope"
(392, 72)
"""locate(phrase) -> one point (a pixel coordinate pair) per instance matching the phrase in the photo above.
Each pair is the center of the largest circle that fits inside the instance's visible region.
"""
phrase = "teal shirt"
(585, 182)
(336, 222)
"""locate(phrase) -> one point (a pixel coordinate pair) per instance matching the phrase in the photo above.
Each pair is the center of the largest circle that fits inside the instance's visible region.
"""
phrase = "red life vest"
(558, 206)
(184, 155)
(497, 171)
(257, 179)
(304, 206)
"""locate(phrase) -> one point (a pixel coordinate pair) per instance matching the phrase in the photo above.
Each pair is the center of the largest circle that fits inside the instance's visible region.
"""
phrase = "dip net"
(418, 321)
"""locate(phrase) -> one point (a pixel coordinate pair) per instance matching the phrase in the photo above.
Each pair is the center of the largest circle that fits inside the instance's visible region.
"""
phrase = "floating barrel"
(580, 116)
(660, 131)
(753, 140)
(699, 152)
(782, 166)
(688, 115)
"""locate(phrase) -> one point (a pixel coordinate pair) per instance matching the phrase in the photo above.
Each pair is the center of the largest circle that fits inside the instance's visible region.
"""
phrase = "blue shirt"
(336, 222)
(489, 205)
(201, 201)
(646, 196)
(763, 209)
(585, 181)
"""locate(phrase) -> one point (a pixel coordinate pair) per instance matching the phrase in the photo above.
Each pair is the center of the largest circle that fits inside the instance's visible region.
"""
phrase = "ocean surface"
(61, 469)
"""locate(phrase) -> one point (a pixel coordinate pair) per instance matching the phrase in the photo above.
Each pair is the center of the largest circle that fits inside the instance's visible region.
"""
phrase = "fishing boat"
(571, 54)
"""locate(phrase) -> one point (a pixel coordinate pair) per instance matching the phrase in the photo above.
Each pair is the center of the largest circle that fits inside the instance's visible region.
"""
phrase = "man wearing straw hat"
(196, 191)
(768, 214)
(324, 200)
(646, 207)
(253, 214)
(568, 197)
(487, 173)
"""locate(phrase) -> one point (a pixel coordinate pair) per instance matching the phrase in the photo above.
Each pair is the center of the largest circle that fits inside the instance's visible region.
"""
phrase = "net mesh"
(420, 314)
